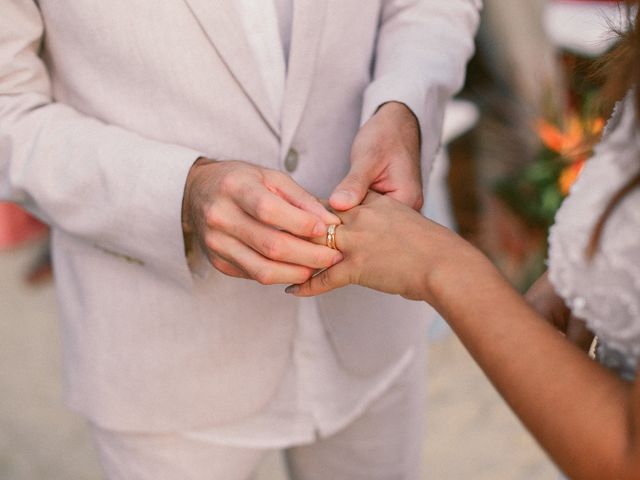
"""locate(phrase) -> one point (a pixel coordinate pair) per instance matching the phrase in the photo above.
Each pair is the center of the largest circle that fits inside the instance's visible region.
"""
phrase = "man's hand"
(248, 219)
(385, 157)
(544, 300)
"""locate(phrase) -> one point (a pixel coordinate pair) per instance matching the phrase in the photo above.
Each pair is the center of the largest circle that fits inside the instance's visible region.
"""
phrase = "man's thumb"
(349, 193)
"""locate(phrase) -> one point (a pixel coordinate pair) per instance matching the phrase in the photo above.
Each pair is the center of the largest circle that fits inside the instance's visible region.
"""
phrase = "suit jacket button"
(291, 160)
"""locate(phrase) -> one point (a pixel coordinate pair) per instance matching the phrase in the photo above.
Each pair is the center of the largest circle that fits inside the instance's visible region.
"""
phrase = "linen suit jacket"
(105, 105)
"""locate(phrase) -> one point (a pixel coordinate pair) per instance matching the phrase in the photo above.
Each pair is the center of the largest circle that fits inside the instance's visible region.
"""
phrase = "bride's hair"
(621, 71)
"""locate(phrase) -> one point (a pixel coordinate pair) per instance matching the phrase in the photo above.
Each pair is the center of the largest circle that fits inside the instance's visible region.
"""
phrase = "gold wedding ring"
(331, 236)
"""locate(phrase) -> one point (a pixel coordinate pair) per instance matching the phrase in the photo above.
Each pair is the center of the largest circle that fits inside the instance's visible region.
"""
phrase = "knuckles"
(229, 183)
(215, 218)
(264, 209)
(270, 248)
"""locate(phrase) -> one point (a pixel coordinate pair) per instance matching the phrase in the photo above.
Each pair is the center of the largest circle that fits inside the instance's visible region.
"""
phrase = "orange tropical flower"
(550, 135)
(569, 175)
(560, 141)
(597, 126)
(575, 140)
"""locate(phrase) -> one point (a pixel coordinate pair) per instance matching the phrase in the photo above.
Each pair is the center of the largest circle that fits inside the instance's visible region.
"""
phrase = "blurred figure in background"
(17, 228)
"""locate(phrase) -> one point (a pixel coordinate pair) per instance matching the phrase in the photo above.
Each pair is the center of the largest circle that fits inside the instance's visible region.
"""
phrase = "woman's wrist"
(460, 268)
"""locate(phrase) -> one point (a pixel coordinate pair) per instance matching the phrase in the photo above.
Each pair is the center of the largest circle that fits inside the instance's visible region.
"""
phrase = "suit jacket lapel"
(221, 23)
(308, 25)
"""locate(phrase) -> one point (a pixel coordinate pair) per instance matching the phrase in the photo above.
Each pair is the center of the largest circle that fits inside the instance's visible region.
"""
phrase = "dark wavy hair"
(620, 71)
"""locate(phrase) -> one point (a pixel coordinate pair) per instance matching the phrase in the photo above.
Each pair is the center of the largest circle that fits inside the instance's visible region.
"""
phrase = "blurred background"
(516, 138)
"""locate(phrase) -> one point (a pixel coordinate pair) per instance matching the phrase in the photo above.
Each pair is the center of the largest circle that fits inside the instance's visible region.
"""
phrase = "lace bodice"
(605, 291)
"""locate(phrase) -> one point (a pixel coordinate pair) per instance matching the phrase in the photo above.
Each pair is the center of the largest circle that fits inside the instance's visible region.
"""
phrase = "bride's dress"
(604, 291)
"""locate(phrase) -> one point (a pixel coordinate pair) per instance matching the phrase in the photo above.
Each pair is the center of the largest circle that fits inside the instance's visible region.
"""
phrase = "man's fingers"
(259, 268)
(319, 240)
(325, 281)
(340, 235)
(281, 246)
(353, 188)
(299, 197)
(267, 207)
(227, 268)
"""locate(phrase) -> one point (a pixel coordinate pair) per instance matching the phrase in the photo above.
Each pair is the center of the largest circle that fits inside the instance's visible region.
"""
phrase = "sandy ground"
(470, 432)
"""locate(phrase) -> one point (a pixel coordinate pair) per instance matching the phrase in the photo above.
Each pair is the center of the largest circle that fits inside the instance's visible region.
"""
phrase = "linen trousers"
(384, 443)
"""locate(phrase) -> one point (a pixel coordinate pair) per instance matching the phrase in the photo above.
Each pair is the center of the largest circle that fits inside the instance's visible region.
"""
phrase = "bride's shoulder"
(604, 291)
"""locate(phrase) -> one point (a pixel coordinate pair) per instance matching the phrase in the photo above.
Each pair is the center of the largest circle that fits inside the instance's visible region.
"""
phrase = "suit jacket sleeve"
(100, 183)
(421, 54)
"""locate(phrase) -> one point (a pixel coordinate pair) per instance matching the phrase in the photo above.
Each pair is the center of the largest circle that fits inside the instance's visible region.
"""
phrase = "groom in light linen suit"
(144, 130)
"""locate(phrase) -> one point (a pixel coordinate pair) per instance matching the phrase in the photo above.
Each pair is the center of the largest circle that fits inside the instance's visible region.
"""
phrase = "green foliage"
(532, 192)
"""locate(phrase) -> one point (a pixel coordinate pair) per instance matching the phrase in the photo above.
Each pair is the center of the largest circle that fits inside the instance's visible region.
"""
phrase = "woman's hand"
(389, 247)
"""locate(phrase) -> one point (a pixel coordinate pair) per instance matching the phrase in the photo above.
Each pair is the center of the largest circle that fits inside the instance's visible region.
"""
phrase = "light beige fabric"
(316, 398)
(265, 29)
(381, 444)
(97, 135)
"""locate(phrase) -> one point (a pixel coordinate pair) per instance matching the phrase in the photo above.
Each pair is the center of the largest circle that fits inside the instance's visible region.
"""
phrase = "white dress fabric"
(317, 396)
(604, 291)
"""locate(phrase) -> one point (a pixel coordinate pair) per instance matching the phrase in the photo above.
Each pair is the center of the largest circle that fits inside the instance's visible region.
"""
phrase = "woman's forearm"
(578, 411)
(583, 415)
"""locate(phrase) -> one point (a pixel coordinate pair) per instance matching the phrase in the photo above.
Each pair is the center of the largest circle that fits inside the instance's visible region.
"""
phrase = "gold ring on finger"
(331, 236)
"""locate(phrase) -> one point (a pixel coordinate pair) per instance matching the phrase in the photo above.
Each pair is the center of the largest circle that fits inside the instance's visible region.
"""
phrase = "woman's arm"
(584, 416)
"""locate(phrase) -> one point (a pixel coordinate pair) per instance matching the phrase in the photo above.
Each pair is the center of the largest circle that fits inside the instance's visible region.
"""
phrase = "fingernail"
(343, 196)
(337, 259)
(319, 230)
(291, 289)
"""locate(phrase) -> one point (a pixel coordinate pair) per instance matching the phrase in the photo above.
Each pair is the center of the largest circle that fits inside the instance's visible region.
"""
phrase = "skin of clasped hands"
(257, 223)
(394, 249)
